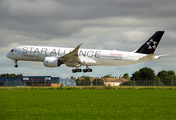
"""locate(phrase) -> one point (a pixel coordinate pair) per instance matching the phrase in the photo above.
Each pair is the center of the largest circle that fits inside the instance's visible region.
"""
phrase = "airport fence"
(96, 82)
(158, 82)
(170, 82)
(36, 83)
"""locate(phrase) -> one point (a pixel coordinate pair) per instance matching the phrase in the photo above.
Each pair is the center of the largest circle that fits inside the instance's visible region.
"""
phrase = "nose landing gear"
(16, 64)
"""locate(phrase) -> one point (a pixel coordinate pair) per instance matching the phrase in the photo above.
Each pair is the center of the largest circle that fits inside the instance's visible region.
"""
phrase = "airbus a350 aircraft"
(76, 57)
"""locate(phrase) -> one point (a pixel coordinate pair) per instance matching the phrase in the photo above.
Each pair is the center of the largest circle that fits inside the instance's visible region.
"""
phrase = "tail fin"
(150, 46)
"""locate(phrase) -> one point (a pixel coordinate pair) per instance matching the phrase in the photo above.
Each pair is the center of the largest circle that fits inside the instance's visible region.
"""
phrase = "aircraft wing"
(71, 59)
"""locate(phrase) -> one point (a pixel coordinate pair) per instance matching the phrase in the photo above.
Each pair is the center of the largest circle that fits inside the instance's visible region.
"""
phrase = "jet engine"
(52, 62)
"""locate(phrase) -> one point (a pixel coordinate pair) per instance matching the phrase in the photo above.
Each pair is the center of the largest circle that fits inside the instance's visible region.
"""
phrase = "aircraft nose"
(8, 55)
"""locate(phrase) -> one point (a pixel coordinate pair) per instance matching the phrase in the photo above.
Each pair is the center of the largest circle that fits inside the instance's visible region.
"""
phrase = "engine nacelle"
(52, 62)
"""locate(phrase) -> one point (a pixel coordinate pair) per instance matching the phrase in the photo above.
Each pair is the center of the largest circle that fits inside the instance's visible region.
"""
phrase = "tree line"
(85, 81)
(146, 76)
(7, 75)
(143, 77)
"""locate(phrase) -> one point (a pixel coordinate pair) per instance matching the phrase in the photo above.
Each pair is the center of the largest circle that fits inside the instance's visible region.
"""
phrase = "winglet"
(78, 46)
(151, 44)
(76, 49)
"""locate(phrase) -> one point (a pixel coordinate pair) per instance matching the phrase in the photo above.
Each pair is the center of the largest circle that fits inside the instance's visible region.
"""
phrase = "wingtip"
(80, 44)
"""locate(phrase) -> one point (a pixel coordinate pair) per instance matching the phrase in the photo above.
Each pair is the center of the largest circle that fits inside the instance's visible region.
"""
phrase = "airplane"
(76, 57)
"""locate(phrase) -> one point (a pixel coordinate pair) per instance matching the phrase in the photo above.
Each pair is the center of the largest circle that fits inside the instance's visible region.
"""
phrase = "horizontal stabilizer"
(163, 55)
(150, 56)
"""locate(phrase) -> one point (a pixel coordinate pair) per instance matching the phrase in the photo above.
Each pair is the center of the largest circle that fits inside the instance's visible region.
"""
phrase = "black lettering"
(25, 50)
(64, 52)
(97, 54)
(90, 53)
(53, 52)
(36, 51)
(81, 53)
(31, 49)
(43, 50)
(58, 51)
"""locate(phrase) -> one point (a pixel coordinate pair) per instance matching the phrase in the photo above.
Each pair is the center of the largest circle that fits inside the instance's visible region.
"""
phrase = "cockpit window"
(11, 50)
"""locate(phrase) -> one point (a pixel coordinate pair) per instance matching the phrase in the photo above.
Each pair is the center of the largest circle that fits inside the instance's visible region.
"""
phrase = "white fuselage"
(88, 57)
(76, 57)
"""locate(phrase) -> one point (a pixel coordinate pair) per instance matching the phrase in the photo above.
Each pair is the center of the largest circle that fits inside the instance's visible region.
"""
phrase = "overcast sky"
(98, 24)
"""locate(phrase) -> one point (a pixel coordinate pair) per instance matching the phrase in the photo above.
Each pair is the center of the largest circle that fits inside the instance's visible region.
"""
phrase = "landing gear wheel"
(89, 70)
(15, 66)
(79, 70)
(76, 70)
(73, 71)
(85, 70)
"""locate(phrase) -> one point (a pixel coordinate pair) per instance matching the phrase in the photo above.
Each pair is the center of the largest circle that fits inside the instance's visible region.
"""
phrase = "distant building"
(114, 81)
(109, 81)
(36, 81)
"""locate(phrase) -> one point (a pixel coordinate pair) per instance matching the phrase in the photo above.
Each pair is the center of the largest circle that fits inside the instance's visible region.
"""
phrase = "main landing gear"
(16, 65)
(80, 70)
(76, 70)
(87, 70)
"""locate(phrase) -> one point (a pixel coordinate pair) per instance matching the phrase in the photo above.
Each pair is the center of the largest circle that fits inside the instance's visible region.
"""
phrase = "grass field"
(47, 104)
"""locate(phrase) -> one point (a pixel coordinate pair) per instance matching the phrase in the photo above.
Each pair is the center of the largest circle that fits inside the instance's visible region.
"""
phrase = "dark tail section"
(150, 46)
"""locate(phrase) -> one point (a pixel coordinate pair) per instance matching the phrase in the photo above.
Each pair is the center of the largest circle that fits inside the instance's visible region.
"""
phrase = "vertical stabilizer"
(150, 46)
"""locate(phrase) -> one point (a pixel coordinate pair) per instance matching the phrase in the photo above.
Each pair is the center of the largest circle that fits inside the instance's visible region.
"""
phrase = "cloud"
(105, 24)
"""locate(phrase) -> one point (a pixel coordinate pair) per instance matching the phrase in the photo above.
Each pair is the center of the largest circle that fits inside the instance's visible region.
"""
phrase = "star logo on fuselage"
(151, 44)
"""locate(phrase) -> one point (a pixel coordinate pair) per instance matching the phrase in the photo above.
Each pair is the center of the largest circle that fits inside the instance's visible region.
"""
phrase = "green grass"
(47, 104)
(86, 87)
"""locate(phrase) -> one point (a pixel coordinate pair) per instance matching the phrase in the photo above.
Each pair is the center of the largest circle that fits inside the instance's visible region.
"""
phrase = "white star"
(154, 42)
(149, 47)
(151, 44)
(148, 43)
(151, 40)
